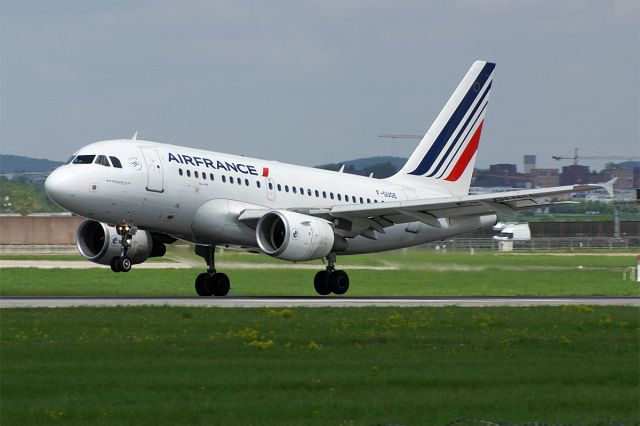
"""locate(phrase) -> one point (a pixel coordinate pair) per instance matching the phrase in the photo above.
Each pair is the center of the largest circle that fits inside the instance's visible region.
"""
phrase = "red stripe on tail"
(466, 156)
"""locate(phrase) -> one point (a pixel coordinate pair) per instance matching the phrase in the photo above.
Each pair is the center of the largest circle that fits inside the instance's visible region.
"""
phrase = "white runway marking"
(84, 264)
(310, 302)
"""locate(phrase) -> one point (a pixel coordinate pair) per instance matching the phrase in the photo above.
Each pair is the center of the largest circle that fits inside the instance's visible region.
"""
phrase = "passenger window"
(339, 197)
(286, 188)
(188, 173)
(301, 191)
(84, 159)
(279, 187)
(258, 183)
(224, 178)
(239, 181)
(361, 200)
(211, 176)
(353, 198)
(180, 172)
(270, 186)
(195, 174)
(368, 201)
(309, 192)
(204, 176)
(331, 195)
(324, 194)
(230, 179)
(246, 182)
(294, 189)
(116, 163)
(317, 193)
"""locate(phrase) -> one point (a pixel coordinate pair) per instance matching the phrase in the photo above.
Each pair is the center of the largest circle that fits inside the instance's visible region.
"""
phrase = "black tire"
(114, 264)
(201, 287)
(124, 264)
(339, 282)
(218, 284)
(321, 284)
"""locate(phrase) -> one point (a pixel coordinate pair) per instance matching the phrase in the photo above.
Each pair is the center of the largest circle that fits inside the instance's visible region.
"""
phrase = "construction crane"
(576, 157)
(401, 136)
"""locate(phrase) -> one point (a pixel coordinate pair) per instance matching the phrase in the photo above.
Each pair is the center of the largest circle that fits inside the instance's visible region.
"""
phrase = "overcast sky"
(317, 81)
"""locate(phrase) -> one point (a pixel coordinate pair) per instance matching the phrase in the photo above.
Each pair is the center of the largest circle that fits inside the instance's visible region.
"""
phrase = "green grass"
(250, 282)
(418, 272)
(357, 366)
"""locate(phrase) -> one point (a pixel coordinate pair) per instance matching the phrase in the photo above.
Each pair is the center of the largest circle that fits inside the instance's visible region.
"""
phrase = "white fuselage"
(162, 188)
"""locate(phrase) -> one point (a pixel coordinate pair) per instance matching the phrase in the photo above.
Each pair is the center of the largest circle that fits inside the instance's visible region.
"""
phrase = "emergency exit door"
(155, 175)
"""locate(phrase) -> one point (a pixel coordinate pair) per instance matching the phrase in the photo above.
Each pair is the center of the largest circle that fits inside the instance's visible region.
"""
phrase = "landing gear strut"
(331, 280)
(211, 283)
(122, 263)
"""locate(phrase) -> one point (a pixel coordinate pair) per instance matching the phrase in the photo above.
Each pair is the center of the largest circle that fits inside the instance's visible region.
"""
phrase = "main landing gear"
(211, 283)
(122, 263)
(331, 280)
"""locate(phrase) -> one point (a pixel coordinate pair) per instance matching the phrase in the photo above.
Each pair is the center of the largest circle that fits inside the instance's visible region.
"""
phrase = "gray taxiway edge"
(310, 302)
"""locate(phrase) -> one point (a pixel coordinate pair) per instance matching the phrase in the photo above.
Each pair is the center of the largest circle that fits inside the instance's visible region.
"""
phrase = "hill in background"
(18, 164)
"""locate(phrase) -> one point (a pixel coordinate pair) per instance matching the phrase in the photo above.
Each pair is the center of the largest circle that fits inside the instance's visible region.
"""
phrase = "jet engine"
(99, 243)
(294, 236)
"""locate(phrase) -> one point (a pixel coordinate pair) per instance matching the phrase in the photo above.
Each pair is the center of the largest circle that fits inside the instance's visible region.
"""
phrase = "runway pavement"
(311, 302)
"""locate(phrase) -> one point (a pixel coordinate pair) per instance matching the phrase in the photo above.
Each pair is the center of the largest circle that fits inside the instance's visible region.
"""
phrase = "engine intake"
(99, 243)
(294, 236)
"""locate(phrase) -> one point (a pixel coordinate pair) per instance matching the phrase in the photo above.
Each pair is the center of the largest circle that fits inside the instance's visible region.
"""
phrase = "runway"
(310, 302)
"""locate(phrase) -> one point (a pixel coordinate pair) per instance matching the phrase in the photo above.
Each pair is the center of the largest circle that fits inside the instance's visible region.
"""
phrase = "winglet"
(608, 186)
(135, 136)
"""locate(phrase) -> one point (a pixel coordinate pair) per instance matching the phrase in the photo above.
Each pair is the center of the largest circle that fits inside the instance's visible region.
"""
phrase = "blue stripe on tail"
(446, 155)
(454, 121)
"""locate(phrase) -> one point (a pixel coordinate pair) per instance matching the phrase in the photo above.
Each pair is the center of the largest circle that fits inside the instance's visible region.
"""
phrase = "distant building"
(545, 178)
(529, 163)
(503, 169)
(575, 174)
(501, 175)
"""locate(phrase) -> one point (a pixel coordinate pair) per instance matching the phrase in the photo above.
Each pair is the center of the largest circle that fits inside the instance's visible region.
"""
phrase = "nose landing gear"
(123, 263)
(331, 280)
(211, 283)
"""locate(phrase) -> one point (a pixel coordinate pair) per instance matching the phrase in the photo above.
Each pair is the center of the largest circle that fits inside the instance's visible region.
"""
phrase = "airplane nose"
(59, 186)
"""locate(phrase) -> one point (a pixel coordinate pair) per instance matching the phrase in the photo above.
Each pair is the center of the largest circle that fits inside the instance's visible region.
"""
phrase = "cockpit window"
(84, 159)
(116, 163)
(70, 160)
(103, 161)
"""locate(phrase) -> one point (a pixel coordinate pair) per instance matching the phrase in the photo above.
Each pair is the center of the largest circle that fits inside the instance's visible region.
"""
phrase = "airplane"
(137, 196)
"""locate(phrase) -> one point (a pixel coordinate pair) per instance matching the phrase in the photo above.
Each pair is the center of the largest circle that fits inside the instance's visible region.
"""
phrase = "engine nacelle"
(294, 236)
(99, 243)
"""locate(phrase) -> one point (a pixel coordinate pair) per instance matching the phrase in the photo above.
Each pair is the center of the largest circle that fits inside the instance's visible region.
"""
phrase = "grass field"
(413, 272)
(318, 366)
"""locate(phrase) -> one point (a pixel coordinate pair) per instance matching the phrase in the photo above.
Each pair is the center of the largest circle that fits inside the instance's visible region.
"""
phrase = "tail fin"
(444, 159)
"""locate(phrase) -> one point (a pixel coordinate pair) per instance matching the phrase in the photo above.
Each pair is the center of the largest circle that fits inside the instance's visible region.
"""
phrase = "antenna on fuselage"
(135, 136)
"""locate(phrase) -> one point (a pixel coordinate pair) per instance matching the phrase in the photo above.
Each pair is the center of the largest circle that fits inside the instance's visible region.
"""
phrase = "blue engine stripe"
(462, 129)
(454, 120)
(464, 139)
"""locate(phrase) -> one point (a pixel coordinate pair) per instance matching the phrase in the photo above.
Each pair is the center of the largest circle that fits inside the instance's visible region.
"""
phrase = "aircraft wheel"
(218, 284)
(114, 264)
(124, 264)
(201, 287)
(339, 282)
(321, 284)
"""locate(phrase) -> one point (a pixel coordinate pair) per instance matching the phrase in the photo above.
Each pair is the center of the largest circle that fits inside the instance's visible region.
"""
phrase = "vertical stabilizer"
(444, 159)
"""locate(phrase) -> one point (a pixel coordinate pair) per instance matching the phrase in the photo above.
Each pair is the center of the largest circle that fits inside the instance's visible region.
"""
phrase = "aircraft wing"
(364, 219)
